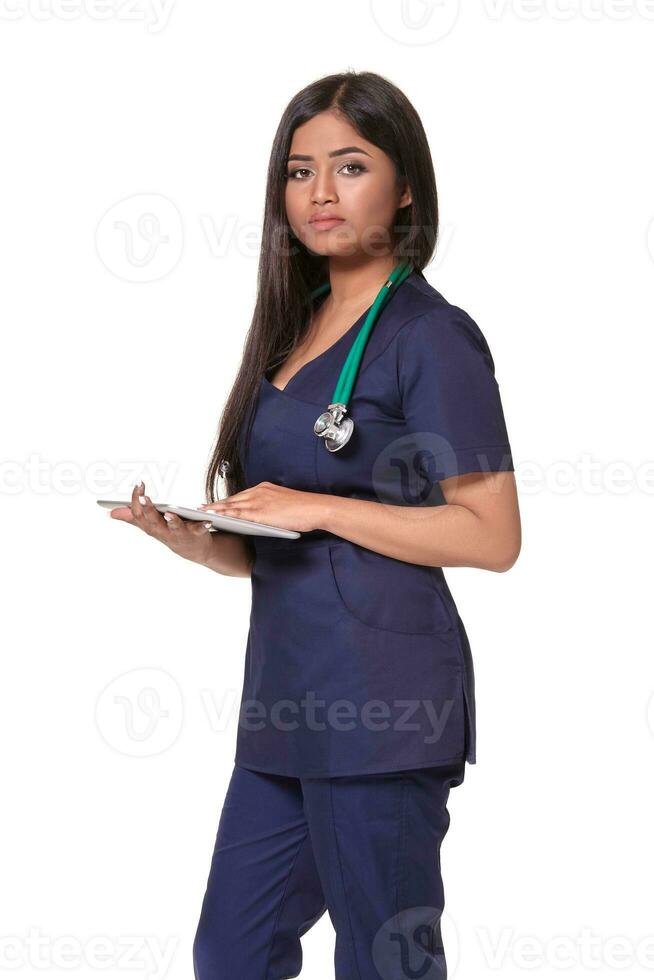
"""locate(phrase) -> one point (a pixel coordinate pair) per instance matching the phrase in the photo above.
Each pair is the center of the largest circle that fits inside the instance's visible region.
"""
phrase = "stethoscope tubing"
(332, 425)
(350, 371)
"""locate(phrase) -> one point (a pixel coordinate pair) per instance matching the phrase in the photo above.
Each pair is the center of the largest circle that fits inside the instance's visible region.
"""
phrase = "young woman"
(358, 709)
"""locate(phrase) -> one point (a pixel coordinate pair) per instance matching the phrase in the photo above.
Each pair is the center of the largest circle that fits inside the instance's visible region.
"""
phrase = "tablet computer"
(220, 522)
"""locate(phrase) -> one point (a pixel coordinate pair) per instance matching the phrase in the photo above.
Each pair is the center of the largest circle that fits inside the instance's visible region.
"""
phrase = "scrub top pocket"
(386, 593)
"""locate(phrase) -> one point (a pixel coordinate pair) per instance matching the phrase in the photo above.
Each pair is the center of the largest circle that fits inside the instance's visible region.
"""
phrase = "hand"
(269, 503)
(189, 539)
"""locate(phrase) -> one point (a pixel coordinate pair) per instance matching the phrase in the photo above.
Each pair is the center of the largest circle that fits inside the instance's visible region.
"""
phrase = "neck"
(353, 280)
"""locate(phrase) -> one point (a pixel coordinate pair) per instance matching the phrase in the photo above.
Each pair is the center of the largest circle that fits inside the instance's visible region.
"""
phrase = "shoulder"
(446, 386)
(432, 326)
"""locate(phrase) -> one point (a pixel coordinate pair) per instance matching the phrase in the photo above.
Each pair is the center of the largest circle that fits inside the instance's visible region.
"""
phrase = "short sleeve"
(449, 395)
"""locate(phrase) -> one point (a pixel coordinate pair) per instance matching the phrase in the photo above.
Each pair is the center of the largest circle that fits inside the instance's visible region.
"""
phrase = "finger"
(235, 510)
(146, 515)
(173, 521)
(228, 504)
(236, 497)
(200, 528)
(228, 501)
(152, 521)
(122, 514)
(137, 507)
(176, 523)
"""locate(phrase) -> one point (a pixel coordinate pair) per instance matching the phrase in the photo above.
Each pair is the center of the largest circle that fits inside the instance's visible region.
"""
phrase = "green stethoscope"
(332, 426)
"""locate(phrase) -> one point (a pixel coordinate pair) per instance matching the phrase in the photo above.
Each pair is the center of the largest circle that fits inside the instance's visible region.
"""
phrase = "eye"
(357, 166)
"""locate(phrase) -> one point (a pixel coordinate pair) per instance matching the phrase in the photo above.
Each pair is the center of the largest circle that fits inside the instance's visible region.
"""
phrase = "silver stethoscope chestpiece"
(333, 427)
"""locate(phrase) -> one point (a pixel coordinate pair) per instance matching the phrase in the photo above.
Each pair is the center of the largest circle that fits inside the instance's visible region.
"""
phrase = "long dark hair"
(287, 271)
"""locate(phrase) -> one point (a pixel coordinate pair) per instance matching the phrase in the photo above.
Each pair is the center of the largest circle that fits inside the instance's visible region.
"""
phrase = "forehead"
(325, 132)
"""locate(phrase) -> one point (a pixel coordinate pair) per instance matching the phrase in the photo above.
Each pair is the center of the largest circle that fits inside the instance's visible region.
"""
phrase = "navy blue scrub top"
(357, 662)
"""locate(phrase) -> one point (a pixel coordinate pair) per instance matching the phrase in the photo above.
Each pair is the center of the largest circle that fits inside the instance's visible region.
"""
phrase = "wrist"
(327, 513)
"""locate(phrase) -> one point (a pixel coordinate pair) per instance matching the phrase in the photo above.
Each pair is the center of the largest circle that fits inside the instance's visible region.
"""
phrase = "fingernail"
(142, 500)
(208, 524)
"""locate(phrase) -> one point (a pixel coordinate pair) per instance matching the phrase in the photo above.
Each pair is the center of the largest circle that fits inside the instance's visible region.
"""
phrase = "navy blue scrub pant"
(364, 848)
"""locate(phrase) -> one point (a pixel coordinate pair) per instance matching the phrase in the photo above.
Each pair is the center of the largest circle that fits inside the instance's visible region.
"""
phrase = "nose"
(323, 187)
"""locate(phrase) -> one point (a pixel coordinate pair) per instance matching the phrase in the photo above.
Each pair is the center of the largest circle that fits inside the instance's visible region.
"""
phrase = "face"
(332, 170)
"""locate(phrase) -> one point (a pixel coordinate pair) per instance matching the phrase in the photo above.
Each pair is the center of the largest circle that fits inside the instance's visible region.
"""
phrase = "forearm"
(229, 555)
(448, 535)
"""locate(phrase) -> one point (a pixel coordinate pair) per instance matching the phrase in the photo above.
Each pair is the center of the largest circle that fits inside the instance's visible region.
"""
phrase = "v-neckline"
(318, 357)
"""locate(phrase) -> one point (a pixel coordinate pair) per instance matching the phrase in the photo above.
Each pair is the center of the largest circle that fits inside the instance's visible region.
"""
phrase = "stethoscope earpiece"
(332, 425)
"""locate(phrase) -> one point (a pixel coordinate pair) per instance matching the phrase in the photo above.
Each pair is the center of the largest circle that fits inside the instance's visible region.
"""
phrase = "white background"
(120, 343)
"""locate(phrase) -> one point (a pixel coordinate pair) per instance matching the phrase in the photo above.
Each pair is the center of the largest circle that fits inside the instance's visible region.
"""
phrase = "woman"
(358, 697)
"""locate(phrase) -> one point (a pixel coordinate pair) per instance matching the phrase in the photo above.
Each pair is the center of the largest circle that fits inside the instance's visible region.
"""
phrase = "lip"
(323, 222)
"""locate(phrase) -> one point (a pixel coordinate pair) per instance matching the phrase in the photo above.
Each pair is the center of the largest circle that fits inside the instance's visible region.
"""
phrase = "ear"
(406, 197)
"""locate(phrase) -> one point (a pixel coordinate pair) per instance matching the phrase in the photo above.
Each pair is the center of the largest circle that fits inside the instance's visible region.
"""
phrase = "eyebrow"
(333, 153)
